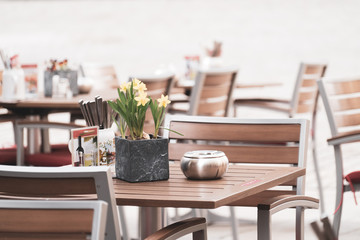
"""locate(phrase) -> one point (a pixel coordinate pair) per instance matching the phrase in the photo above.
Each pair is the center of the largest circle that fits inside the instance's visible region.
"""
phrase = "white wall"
(266, 38)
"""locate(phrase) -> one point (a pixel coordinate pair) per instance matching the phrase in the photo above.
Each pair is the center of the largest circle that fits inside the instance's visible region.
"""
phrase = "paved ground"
(266, 38)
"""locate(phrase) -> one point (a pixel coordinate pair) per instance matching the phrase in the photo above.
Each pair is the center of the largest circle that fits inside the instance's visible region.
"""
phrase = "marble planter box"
(142, 160)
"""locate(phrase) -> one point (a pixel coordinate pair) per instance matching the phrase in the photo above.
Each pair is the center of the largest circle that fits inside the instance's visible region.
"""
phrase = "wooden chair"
(52, 219)
(303, 101)
(36, 183)
(342, 104)
(281, 142)
(74, 183)
(211, 95)
(8, 155)
(156, 85)
(103, 75)
(55, 155)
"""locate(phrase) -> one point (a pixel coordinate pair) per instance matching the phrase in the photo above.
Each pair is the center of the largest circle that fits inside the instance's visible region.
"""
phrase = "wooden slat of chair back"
(235, 132)
(343, 98)
(217, 79)
(51, 187)
(213, 109)
(343, 104)
(242, 154)
(347, 120)
(347, 86)
(242, 142)
(46, 221)
(221, 90)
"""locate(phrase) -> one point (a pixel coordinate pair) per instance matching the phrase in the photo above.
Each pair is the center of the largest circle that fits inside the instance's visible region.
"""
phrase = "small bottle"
(79, 161)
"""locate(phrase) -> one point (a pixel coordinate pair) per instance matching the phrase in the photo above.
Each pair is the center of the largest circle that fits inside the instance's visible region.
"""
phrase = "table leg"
(150, 220)
(45, 138)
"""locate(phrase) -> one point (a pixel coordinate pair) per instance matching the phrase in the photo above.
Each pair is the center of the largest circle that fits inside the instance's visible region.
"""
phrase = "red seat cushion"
(353, 178)
(59, 156)
(8, 156)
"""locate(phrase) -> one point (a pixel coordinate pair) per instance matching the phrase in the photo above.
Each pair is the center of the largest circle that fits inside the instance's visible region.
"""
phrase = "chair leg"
(233, 223)
(200, 235)
(339, 190)
(263, 225)
(299, 223)
(317, 170)
(123, 224)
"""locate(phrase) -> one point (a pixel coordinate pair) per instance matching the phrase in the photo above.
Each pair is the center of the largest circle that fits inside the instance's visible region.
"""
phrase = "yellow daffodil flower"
(136, 83)
(163, 101)
(125, 86)
(141, 87)
(142, 99)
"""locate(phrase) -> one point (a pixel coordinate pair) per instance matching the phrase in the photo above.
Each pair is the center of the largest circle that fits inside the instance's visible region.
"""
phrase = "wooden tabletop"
(240, 181)
(48, 104)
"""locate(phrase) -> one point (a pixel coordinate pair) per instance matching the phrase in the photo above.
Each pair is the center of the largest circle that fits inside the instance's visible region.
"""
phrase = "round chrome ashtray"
(204, 164)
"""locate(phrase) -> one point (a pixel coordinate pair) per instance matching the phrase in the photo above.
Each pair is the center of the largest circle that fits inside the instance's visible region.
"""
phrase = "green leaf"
(172, 131)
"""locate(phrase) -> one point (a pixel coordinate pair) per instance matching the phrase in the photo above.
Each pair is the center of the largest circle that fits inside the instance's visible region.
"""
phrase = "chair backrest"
(67, 183)
(52, 219)
(341, 98)
(156, 85)
(212, 93)
(45, 126)
(305, 92)
(263, 141)
(104, 76)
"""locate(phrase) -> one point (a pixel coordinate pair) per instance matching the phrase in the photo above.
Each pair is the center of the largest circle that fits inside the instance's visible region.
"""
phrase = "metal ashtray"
(204, 164)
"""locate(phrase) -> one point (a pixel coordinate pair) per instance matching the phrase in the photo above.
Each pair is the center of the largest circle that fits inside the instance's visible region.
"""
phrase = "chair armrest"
(344, 138)
(279, 203)
(9, 117)
(179, 229)
(258, 85)
(46, 124)
(272, 100)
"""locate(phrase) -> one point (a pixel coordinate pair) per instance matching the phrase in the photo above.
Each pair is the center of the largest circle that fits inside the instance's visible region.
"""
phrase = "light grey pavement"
(267, 39)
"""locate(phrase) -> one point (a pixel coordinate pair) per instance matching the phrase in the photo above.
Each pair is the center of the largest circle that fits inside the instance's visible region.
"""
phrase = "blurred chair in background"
(8, 154)
(211, 95)
(341, 98)
(51, 155)
(304, 101)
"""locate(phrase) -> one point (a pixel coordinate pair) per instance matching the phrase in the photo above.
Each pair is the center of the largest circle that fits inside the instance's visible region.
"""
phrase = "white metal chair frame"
(43, 125)
(271, 206)
(99, 207)
(339, 138)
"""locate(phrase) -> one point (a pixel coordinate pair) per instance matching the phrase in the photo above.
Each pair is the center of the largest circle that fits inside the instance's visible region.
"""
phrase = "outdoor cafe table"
(40, 107)
(239, 182)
